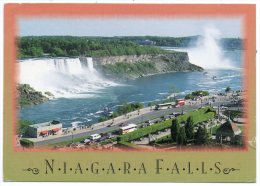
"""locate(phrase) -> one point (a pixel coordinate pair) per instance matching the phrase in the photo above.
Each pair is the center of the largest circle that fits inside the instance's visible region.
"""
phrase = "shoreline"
(111, 124)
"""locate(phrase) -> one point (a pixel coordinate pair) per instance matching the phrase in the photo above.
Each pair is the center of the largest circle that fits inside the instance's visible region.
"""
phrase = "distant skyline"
(173, 27)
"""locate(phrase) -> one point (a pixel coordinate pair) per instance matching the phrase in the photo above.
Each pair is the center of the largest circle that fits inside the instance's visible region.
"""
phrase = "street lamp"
(72, 136)
(218, 113)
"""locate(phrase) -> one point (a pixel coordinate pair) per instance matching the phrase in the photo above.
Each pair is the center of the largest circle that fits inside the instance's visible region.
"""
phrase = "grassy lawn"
(200, 115)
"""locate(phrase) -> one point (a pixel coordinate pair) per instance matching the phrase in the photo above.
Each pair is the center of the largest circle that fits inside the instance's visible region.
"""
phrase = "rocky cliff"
(133, 66)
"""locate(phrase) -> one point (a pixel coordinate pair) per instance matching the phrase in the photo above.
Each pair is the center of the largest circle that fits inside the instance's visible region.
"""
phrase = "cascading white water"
(207, 53)
(64, 77)
(90, 64)
(68, 66)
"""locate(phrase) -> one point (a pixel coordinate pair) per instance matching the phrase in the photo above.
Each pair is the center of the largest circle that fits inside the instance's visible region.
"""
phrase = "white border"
(2, 2)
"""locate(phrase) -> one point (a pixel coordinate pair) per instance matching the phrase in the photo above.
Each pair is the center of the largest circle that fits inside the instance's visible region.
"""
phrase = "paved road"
(137, 120)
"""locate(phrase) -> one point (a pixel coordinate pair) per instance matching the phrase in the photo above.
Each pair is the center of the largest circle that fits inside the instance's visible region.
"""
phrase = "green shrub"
(164, 139)
(108, 141)
(26, 143)
(196, 94)
(145, 131)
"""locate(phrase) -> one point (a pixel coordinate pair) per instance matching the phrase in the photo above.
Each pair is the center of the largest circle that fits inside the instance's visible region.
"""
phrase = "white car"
(95, 136)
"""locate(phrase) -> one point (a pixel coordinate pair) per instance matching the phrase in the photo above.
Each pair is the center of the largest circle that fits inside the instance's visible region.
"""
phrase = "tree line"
(188, 41)
(69, 46)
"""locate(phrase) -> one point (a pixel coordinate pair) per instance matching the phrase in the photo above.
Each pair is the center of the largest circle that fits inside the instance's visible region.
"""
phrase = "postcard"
(129, 92)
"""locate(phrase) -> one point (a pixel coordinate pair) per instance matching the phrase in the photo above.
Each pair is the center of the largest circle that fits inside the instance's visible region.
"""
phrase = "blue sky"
(228, 27)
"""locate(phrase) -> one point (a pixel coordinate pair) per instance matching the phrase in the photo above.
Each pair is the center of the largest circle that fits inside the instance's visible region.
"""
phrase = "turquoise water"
(146, 89)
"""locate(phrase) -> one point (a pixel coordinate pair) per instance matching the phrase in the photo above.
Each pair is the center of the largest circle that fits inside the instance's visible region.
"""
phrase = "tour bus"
(164, 106)
(128, 128)
(95, 136)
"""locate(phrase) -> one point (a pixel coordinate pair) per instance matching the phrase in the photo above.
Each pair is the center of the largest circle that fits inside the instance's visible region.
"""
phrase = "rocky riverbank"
(28, 96)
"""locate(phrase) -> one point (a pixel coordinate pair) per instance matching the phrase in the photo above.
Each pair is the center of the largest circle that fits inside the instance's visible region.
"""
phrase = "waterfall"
(64, 77)
(90, 64)
(208, 53)
(68, 66)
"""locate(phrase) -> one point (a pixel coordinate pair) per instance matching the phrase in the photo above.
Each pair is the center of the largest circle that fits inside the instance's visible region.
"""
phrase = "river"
(87, 110)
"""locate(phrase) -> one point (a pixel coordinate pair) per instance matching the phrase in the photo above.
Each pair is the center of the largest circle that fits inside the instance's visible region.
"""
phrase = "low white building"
(45, 129)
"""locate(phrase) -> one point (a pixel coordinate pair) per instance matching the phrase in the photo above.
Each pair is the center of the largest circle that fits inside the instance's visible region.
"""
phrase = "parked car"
(148, 123)
(95, 136)
(109, 136)
(87, 141)
(102, 139)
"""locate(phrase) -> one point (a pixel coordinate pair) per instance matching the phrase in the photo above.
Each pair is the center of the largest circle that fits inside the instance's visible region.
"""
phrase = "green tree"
(58, 52)
(189, 128)
(74, 52)
(35, 51)
(181, 137)
(228, 89)
(200, 93)
(189, 96)
(201, 136)
(26, 143)
(175, 129)
(23, 126)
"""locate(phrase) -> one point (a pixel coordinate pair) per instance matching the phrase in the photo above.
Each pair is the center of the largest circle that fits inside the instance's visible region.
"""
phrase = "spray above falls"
(208, 53)
(63, 77)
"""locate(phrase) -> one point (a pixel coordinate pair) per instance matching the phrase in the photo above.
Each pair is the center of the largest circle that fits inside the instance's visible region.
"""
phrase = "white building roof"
(45, 124)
